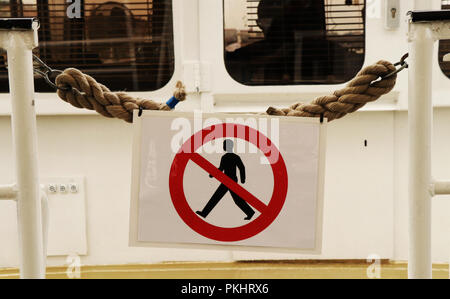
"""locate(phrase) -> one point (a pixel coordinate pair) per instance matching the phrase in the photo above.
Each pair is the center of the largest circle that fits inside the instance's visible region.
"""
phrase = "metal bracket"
(8, 192)
(392, 14)
(47, 73)
(440, 188)
(197, 76)
(403, 65)
(19, 24)
(438, 22)
(18, 32)
(419, 16)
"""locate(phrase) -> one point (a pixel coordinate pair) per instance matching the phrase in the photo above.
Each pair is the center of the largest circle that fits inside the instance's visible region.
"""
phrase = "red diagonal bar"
(224, 179)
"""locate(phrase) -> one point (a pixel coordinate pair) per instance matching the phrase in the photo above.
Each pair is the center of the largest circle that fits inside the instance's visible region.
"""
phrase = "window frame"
(48, 103)
(364, 35)
(224, 90)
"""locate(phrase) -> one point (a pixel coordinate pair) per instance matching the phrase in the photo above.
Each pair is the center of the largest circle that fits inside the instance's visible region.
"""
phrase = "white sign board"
(245, 181)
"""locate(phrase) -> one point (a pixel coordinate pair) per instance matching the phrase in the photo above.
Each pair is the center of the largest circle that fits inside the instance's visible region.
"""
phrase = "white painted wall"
(366, 187)
(233, 19)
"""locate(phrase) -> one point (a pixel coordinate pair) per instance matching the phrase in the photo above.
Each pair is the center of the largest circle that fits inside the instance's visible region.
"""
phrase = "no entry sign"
(268, 212)
(227, 180)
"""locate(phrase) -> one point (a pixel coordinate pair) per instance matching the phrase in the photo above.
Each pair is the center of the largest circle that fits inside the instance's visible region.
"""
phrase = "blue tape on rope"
(172, 102)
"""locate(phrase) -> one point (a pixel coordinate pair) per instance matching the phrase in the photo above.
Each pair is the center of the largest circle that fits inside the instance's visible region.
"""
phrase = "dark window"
(444, 47)
(125, 44)
(289, 42)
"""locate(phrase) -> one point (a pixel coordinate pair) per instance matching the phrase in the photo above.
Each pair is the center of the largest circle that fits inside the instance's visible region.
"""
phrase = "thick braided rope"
(83, 91)
(86, 92)
(361, 90)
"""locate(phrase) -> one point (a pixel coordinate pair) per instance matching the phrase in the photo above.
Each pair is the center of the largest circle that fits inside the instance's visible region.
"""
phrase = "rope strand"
(85, 92)
(361, 90)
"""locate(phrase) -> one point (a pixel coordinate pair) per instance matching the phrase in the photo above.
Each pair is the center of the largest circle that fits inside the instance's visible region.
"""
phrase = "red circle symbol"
(268, 213)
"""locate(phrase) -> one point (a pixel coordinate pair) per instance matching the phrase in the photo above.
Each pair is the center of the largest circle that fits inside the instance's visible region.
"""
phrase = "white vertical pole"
(206, 9)
(23, 119)
(420, 114)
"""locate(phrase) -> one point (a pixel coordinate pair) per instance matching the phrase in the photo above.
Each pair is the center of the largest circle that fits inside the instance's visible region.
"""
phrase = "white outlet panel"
(67, 219)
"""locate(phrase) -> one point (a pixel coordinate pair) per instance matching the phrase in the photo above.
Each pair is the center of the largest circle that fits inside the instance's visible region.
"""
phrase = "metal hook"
(41, 63)
(48, 73)
(403, 65)
(50, 82)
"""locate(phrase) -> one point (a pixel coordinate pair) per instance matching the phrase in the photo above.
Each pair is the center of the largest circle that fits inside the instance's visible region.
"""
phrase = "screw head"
(63, 188)
(73, 187)
(52, 188)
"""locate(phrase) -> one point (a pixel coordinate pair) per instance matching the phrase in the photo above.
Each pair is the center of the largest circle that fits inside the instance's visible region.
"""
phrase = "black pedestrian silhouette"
(228, 164)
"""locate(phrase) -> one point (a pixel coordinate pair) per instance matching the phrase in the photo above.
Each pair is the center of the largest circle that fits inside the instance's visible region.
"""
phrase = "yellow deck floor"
(237, 270)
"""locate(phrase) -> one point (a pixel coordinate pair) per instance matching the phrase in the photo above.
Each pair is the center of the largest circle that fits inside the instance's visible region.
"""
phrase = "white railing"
(422, 187)
(18, 37)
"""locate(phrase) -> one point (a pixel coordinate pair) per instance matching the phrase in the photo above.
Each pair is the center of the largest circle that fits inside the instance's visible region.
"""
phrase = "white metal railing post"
(425, 28)
(19, 37)
(420, 115)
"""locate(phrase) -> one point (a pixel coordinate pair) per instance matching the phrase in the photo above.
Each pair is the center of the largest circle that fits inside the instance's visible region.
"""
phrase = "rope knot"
(180, 91)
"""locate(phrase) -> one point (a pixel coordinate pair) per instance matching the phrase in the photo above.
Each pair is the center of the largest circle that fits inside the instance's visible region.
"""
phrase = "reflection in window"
(125, 44)
(279, 42)
(444, 47)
